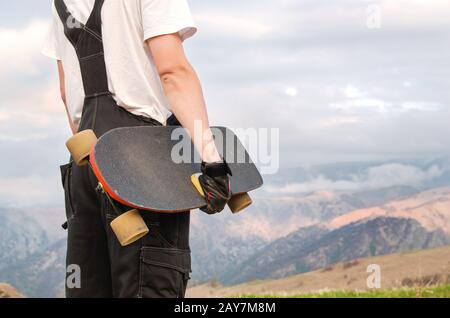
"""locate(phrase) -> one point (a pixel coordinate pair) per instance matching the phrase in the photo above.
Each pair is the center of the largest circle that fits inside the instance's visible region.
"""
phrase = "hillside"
(31, 255)
(223, 241)
(41, 275)
(314, 247)
(20, 237)
(417, 221)
(303, 219)
(430, 208)
(412, 269)
(7, 291)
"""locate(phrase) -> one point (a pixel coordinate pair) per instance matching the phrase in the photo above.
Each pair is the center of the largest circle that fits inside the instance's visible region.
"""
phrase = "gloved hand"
(215, 182)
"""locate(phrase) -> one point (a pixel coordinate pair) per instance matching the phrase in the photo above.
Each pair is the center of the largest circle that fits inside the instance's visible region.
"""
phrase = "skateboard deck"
(136, 167)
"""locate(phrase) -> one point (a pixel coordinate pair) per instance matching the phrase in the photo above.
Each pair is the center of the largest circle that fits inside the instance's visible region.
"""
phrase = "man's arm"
(183, 91)
(62, 90)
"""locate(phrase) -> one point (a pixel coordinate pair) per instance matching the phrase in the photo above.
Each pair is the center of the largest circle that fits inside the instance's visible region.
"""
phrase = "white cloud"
(35, 115)
(236, 26)
(353, 102)
(291, 91)
(355, 105)
(352, 92)
(33, 125)
(419, 13)
(407, 84)
(374, 104)
(31, 190)
(30, 108)
(338, 120)
(19, 48)
(377, 177)
(421, 106)
(396, 174)
(364, 93)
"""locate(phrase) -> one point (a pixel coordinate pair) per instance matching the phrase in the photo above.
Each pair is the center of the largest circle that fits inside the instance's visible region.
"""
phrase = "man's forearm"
(62, 90)
(184, 93)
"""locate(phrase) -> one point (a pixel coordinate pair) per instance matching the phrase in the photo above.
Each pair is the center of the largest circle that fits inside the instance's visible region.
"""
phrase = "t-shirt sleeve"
(161, 17)
(52, 46)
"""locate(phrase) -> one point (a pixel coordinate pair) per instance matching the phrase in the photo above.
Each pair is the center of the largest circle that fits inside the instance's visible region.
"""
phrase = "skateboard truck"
(129, 226)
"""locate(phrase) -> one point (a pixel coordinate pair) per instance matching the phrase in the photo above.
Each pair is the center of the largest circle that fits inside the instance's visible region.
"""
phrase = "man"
(121, 63)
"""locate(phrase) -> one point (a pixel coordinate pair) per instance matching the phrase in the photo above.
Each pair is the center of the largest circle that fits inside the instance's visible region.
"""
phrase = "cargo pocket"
(66, 176)
(164, 272)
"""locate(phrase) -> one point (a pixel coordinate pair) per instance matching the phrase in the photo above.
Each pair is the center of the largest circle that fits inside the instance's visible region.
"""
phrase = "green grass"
(425, 292)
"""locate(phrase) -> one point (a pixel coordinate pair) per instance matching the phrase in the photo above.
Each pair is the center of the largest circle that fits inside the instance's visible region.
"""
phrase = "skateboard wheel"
(239, 202)
(129, 227)
(80, 146)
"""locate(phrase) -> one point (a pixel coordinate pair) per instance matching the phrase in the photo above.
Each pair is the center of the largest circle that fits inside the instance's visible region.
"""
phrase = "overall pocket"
(164, 272)
(66, 177)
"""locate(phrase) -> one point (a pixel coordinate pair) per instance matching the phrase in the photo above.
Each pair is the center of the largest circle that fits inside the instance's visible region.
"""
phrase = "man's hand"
(215, 182)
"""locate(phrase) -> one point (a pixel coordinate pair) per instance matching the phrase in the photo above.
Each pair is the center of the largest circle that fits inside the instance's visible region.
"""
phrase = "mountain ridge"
(364, 238)
(418, 269)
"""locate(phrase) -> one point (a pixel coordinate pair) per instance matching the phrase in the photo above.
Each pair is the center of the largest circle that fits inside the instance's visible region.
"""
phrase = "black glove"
(215, 182)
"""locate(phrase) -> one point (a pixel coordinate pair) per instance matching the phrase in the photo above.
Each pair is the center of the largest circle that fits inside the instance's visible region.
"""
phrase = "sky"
(342, 80)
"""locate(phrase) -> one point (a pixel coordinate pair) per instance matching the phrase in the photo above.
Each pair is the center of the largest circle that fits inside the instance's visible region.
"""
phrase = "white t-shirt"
(132, 76)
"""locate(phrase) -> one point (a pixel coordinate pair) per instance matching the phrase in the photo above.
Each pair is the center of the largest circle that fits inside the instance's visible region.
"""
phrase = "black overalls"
(157, 265)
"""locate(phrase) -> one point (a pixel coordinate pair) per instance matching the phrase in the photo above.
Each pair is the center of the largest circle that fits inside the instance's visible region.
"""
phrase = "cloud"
(337, 90)
(338, 120)
(33, 124)
(358, 92)
(421, 106)
(20, 46)
(30, 190)
(225, 25)
(30, 107)
(377, 177)
(291, 91)
(353, 92)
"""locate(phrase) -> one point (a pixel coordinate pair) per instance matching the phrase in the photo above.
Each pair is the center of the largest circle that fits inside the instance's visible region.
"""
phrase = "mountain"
(275, 255)
(430, 208)
(32, 256)
(266, 240)
(215, 244)
(20, 237)
(41, 275)
(292, 255)
(49, 220)
(293, 226)
(418, 269)
(7, 291)
(359, 171)
(220, 242)
(301, 197)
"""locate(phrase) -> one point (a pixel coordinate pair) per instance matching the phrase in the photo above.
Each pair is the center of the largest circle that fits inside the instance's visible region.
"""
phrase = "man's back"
(132, 76)
(131, 50)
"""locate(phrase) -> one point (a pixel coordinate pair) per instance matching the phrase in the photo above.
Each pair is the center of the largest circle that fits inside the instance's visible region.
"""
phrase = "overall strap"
(94, 22)
(88, 44)
(72, 27)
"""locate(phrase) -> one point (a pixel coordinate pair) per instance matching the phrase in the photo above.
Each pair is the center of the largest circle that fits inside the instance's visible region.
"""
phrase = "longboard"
(147, 168)
(152, 169)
